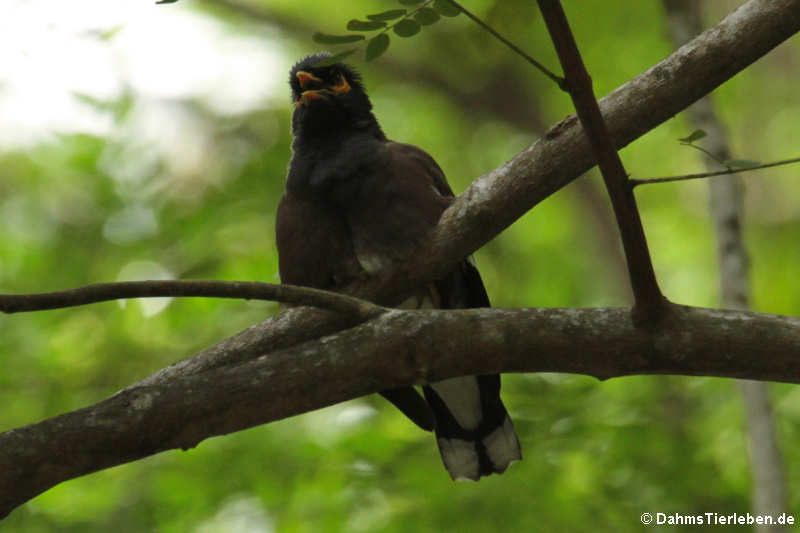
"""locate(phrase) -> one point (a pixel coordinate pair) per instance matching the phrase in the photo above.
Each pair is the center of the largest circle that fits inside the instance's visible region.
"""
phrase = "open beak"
(316, 89)
(309, 96)
(305, 78)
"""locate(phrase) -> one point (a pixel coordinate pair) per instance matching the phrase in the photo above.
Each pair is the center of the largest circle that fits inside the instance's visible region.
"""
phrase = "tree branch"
(650, 303)
(246, 290)
(395, 349)
(497, 199)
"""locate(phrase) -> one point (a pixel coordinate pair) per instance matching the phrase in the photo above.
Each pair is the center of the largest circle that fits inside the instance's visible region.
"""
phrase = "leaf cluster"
(404, 22)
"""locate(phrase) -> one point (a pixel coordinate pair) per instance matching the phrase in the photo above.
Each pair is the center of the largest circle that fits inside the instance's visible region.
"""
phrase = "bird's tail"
(473, 430)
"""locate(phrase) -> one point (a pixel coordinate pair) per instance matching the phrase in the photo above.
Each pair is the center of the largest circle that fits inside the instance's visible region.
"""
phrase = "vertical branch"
(650, 304)
(769, 483)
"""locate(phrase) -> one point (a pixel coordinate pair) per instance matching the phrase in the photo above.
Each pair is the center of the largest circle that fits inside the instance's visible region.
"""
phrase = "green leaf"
(365, 25)
(388, 15)
(740, 163)
(377, 46)
(696, 135)
(426, 16)
(446, 8)
(407, 28)
(324, 38)
(410, 2)
(165, 2)
(335, 58)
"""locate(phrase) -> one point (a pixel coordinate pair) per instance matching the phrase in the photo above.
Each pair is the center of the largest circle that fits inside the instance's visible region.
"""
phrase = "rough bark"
(398, 348)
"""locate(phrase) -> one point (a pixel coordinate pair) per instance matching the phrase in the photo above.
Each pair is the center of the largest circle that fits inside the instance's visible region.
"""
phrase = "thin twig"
(650, 303)
(709, 154)
(247, 290)
(685, 177)
(544, 70)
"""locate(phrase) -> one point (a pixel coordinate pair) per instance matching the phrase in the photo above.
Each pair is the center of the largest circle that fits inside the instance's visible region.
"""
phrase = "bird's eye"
(340, 86)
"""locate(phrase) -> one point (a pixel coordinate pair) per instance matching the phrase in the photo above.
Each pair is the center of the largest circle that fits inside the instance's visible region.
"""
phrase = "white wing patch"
(463, 398)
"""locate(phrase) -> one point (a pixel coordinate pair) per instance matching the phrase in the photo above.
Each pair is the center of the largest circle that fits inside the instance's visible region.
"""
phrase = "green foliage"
(409, 24)
(324, 38)
(360, 466)
(446, 8)
(365, 25)
(696, 135)
(377, 46)
(388, 15)
(407, 28)
(426, 16)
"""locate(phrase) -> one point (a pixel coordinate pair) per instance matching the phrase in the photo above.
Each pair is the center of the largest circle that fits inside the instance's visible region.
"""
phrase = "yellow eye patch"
(341, 87)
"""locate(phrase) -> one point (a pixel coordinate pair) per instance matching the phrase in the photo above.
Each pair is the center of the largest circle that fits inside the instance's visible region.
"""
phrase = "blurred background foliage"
(143, 141)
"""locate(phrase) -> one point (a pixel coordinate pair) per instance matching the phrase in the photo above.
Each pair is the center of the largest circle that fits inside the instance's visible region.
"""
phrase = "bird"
(356, 203)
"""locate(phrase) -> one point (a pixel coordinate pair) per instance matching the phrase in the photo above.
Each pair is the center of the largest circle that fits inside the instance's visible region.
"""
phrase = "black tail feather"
(411, 404)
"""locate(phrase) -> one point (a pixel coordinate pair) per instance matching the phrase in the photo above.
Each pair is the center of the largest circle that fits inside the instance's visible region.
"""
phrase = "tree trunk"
(769, 480)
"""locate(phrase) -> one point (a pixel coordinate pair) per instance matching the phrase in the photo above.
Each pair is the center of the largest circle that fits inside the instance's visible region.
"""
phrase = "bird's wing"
(397, 207)
(316, 250)
(314, 244)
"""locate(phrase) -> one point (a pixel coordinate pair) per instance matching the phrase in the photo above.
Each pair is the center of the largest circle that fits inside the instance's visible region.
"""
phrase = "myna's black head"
(311, 83)
(328, 97)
